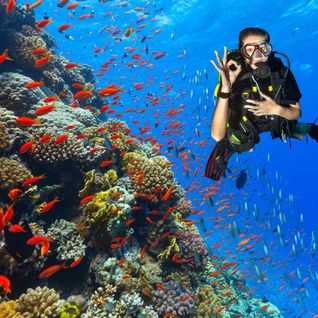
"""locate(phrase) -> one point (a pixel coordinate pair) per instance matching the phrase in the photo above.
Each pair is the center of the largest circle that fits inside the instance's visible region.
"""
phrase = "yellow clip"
(270, 88)
(235, 138)
(244, 118)
(254, 88)
(216, 89)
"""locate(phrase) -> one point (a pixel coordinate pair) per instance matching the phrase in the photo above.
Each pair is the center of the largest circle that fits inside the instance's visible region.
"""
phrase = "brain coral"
(15, 96)
(12, 173)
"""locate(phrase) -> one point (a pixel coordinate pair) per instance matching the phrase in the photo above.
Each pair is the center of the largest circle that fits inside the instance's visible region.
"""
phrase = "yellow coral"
(8, 310)
(102, 207)
(89, 180)
(109, 178)
(173, 246)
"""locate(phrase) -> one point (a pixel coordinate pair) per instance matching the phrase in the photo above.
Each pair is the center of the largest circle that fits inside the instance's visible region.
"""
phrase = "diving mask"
(259, 50)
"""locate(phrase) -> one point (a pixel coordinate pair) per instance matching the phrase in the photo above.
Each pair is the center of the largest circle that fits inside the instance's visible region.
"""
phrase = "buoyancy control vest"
(243, 127)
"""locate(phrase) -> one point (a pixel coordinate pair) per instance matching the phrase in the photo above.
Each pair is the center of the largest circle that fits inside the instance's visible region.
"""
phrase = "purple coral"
(174, 299)
(192, 251)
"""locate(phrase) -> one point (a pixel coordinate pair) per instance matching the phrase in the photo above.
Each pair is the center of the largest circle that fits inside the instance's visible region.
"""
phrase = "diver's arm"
(220, 116)
(292, 112)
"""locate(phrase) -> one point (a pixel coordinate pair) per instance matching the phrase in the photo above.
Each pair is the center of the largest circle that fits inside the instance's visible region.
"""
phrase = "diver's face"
(248, 43)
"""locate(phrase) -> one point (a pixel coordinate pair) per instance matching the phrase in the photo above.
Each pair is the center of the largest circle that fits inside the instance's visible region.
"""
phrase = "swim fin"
(217, 162)
(313, 132)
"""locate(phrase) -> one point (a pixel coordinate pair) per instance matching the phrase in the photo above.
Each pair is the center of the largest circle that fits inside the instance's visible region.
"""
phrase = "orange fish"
(45, 247)
(45, 138)
(52, 270)
(87, 199)
(72, 5)
(43, 23)
(77, 261)
(244, 241)
(61, 138)
(44, 110)
(13, 194)
(32, 180)
(167, 195)
(34, 84)
(38, 51)
(26, 146)
(142, 251)
(62, 3)
(150, 220)
(115, 245)
(7, 217)
(10, 6)
(42, 61)
(26, 121)
(85, 94)
(70, 65)
(121, 261)
(5, 283)
(105, 163)
(111, 90)
(130, 221)
(38, 239)
(16, 228)
(49, 205)
(4, 56)
(50, 99)
(33, 6)
(64, 27)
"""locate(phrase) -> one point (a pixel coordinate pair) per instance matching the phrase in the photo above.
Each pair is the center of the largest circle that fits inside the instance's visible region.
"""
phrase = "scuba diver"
(256, 93)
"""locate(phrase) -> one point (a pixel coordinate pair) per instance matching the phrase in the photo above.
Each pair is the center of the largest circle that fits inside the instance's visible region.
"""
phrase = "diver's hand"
(265, 107)
(228, 76)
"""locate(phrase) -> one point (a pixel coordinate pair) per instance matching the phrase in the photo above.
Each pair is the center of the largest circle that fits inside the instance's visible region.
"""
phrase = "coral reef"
(123, 208)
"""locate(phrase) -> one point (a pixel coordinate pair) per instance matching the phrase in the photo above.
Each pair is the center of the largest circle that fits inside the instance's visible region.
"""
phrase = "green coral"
(173, 246)
(69, 310)
(89, 180)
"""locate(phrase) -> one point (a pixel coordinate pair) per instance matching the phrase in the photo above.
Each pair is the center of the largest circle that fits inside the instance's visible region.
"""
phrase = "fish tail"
(6, 57)
(38, 121)
(64, 266)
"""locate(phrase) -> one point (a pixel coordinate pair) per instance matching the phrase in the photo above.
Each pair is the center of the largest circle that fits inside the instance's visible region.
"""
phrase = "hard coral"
(40, 302)
(8, 310)
(4, 138)
(152, 177)
(15, 96)
(12, 173)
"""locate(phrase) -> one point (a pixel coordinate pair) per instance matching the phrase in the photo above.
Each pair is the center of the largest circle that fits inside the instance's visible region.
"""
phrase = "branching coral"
(40, 302)
(8, 310)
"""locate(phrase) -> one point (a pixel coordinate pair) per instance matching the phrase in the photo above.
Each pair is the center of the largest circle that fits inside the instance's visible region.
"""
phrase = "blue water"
(191, 31)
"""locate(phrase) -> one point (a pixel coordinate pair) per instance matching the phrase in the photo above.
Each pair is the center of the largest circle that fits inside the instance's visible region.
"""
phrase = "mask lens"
(249, 49)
